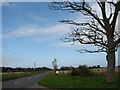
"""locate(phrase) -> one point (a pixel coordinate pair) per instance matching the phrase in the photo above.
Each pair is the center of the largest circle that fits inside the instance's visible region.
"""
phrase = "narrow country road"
(24, 82)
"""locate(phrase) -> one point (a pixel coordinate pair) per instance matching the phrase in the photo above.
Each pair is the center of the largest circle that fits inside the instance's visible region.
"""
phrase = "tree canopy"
(96, 31)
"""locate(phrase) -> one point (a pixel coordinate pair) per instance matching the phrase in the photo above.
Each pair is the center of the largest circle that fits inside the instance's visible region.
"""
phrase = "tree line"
(19, 69)
(71, 68)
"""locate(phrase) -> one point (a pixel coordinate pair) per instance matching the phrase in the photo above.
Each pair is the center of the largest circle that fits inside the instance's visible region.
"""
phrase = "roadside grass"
(67, 81)
(9, 76)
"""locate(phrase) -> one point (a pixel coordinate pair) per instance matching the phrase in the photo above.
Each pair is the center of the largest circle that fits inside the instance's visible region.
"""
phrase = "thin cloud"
(39, 18)
(33, 30)
(38, 39)
(60, 29)
(7, 61)
(76, 45)
(68, 44)
(8, 4)
(27, 30)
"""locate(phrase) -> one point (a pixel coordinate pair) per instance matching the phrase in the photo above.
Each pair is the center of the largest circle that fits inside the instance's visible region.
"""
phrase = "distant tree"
(71, 67)
(98, 66)
(94, 67)
(62, 68)
(82, 66)
(66, 68)
(4, 69)
(101, 31)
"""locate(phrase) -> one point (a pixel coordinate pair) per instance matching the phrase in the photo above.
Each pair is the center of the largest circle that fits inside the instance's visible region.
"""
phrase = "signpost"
(55, 66)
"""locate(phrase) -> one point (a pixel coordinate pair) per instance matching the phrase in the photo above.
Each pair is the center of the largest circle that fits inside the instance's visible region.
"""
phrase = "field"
(9, 76)
(103, 70)
(67, 81)
(63, 80)
(97, 70)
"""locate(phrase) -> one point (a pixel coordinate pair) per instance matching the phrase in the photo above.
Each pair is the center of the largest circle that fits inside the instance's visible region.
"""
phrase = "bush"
(82, 71)
(85, 72)
(75, 72)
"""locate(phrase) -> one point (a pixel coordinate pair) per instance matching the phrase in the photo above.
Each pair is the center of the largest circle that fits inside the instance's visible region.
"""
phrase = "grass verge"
(9, 76)
(67, 81)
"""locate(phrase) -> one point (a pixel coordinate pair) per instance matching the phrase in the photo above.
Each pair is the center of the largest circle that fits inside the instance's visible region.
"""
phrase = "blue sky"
(31, 33)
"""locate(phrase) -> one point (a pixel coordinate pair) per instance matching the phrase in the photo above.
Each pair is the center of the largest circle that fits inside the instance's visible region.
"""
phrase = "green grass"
(67, 81)
(9, 76)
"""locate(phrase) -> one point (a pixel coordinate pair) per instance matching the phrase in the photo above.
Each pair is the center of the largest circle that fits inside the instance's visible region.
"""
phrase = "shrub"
(75, 72)
(82, 71)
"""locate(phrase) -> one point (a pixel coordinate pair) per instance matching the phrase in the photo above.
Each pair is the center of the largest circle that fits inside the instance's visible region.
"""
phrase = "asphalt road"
(24, 82)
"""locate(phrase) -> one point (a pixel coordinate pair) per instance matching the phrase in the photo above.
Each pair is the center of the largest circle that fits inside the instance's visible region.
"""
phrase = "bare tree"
(100, 31)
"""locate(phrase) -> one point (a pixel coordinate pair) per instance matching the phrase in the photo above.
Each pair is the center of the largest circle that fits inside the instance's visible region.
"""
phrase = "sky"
(31, 32)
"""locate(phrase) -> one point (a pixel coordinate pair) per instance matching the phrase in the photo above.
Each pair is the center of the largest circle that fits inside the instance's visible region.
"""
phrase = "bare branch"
(90, 51)
(82, 7)
(99, 32)
(75, 23)
(84, 24)
(113, 23)
(112, 3)
(117, 42)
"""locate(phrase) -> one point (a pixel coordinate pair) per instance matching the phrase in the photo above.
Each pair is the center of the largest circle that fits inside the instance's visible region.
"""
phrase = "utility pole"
(34, 66)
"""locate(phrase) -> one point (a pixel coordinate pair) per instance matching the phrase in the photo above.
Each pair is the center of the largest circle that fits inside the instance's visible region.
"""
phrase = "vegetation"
(9, 76)
(75, 72)
(100, 30)
(68, 81)
(82, 71)
(20, 69)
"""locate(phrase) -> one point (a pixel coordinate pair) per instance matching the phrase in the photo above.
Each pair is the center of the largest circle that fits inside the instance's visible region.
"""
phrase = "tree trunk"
(111, 67)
